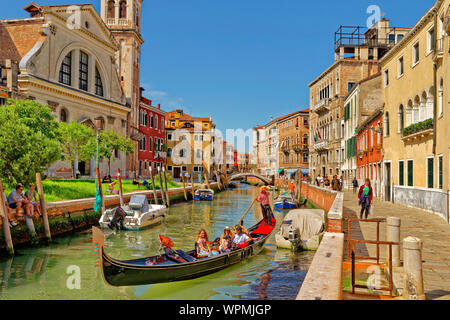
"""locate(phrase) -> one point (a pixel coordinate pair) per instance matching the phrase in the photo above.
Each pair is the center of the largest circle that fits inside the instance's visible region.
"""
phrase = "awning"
(280, 170)
(291, 171)
(305, 171)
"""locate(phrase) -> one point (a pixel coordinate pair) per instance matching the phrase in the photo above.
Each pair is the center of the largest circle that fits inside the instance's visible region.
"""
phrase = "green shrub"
(417, 127)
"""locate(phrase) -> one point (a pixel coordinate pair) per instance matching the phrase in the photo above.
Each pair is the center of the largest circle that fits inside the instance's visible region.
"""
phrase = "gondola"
(174, 265)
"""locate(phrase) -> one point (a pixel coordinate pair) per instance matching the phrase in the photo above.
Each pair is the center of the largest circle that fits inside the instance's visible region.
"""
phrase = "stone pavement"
(430, 228)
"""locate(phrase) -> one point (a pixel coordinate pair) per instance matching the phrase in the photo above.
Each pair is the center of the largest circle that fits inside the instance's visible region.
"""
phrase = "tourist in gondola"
(240, 237)
(203, 246)
(263, 198)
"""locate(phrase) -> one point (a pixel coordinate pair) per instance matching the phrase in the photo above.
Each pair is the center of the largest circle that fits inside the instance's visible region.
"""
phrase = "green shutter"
(440, 173)
(401, 173)
(410, 173)
(430, 172)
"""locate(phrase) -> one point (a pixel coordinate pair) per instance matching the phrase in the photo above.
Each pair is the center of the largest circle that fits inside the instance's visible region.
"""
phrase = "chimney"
(159, 106)
(140, 91)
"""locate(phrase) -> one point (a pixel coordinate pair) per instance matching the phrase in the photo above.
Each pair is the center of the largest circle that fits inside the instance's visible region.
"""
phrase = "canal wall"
(330, 201)
(66, 217)
(324, 278)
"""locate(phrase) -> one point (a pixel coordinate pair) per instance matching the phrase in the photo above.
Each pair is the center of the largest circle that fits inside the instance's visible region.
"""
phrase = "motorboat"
(285, 201)
(301, 229)
(135, 216)
(204, 195)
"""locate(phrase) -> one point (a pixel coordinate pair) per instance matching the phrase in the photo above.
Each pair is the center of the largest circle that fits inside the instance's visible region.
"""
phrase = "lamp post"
(98, 125)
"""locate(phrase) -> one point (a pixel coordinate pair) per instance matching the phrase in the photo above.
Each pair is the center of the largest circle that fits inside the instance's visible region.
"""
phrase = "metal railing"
(351, 256)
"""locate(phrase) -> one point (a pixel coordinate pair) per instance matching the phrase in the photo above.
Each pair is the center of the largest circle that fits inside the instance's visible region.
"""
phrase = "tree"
(109, 142)
(75, 139)
(28, 141)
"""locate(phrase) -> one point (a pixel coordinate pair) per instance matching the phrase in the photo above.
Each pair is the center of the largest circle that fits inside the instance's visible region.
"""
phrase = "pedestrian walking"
(365, 196)
(355, 185)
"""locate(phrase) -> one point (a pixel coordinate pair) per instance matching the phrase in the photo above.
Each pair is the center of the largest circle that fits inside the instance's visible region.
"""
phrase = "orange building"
(369, 147)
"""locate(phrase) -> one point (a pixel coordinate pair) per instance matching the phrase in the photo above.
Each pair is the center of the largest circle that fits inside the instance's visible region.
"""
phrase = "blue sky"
(241, 61)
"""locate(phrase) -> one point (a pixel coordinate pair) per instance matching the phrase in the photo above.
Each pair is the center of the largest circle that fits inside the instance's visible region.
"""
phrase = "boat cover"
(139, 202)
(308, 222)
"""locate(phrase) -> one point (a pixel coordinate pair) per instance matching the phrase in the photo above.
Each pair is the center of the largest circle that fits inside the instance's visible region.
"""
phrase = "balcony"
(300, 147)
(418, 131)
(321, 146)
(114, 21)
(322, 106)
(439, 52)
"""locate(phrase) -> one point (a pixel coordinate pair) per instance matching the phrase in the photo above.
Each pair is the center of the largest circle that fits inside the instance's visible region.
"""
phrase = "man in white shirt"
(240, 237)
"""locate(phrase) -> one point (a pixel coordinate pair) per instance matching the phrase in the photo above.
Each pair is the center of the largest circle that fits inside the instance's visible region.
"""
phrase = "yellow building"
(416, 114)
(190, 142)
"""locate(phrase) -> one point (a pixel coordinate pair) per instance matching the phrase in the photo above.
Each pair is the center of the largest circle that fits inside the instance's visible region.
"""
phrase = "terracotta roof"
(185, 117)
(291, 114)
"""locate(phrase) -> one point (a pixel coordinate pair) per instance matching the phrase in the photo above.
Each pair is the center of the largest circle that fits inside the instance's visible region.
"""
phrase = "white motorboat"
(135, 216)
(204, 195)
(301, 229)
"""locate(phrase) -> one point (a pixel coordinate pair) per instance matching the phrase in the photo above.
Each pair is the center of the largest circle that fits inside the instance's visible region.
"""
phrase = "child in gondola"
(225, 246)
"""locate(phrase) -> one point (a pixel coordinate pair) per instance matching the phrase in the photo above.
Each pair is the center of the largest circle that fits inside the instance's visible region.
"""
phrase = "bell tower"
(123, 18)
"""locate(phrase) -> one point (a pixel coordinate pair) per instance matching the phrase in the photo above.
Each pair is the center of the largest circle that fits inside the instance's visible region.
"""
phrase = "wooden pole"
(40, 190)
(165, 186)
(192, 188)
(5, 221)
(153, 186)
(99, 184)
(206, 180)
(119, 182)
(161, 186)
(241, 219)
(218, 181)
(184, 186)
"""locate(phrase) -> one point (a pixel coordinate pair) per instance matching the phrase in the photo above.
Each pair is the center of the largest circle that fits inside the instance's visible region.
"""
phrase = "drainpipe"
(435, 86)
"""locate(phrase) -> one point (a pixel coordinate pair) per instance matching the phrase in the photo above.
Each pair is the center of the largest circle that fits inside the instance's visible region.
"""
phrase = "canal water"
(45, 272)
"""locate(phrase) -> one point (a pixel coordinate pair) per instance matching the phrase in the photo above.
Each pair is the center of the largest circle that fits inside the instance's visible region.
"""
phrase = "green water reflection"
(41, 273)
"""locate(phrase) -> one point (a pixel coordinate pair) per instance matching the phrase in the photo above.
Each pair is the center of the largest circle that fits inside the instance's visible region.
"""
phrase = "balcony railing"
(322, 105)
(323, 145)
(120, 22)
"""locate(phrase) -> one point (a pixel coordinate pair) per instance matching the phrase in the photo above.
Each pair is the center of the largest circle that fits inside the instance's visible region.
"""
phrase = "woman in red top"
(365, 196)
(263, 198)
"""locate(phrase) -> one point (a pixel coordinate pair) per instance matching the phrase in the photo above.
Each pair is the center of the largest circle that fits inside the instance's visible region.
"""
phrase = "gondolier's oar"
(241, 219)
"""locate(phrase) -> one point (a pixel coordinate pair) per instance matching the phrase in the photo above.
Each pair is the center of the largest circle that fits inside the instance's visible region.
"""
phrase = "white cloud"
(167, 101)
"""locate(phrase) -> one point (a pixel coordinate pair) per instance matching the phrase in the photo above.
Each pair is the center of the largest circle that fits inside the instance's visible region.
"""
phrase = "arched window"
(63, 115)
(386, 124)
(423, 107)
(198, 153)
(123, 10)
(169, 152)
(416, 105)
(430, 104)
(156, 122)
(305, 139)
(65, 71)
(84, 70)
(111, 10)
(401, 118)
(409, 113)
(98, 83)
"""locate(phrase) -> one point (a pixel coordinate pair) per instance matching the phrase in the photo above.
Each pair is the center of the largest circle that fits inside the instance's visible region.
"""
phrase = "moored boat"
(204, 195)
(285, 201)
(175, 265)
(135, 216)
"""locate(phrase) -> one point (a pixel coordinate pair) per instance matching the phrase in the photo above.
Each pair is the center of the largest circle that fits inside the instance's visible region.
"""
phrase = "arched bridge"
(240, 175)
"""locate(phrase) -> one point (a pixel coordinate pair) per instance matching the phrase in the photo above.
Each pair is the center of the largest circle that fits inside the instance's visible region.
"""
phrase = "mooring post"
(5, 222)
(153, 186)
(43, 204)
(184, 186)
(412, 261)
(192, 186)
(119, 182)
(393, 235)
(165, 186)
(161, 186)
(99, 184)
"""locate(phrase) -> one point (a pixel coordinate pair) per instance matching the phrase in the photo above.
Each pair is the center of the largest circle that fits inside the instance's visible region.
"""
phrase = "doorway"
(176, 172)
(387, 186)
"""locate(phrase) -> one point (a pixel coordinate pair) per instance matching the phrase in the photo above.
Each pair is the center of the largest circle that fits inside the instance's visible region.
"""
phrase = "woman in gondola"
(203, 246)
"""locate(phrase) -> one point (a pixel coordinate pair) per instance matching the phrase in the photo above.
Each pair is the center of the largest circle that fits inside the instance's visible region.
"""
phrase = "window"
(156, 122)
(123, 10)
(431, 40)
(350, 86)
(401, 118)
(386, 78)
(84, 68)
(3, 102)
(392, 38)
(169, 152)
(162, 123)
(430, 173)
(386, 124)
(410, 173)
(63, 115)
(401, 173)
(400, 66)
(440, 172)
(98, 83)
(399, 37)
(151, 120)
(416, 54)
(111, 10)
(150, 145)
(65, 72)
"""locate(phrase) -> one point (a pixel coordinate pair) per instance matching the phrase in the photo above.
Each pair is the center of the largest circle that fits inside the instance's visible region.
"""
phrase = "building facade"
(363, 100)
(294, 141)
(190, 143)
(357, 54)
(369, 143)
(71, 67)
(416, 115)
(152, 147)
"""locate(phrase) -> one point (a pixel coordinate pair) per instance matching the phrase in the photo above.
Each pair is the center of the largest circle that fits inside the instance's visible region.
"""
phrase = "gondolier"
(263, 198)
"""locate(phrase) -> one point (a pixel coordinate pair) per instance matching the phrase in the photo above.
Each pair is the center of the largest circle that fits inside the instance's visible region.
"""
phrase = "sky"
(241, 61)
